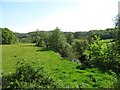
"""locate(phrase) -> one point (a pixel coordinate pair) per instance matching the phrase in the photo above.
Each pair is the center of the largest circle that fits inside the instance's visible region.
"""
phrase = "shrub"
(28, 75)
(67, 51)
(103, 55)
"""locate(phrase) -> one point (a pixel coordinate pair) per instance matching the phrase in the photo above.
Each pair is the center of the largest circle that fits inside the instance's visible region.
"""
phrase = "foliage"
(28, 75)
(8, 37)
(57, 40)
(109, 33)
(34, 36)
(113, 58)
(46, 39)
(103, 55)
(96, 53)
(78, 35)
(62, 45)
(118, 34)
(67, 51)
(69, 36)
(79, 47)
(23, 37)
(91, 38)
(117, 83)
(118, 42)
(40, 41)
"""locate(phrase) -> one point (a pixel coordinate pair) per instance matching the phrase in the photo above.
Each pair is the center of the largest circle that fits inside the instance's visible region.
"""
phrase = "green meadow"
(70, 74)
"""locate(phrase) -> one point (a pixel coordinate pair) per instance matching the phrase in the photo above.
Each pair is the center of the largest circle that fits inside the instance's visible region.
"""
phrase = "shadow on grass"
(44, 49)
(27, 45)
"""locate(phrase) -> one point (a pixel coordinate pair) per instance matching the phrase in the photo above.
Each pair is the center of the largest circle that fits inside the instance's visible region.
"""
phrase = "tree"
(91, 36)
(43, 39)
(8, 37)
(69, 37)
(67, 51)
(103, 55)
(96, 53)
(23, 37)
(58, 43)
(79, 47)
(57, 40)
(40, 41)
(118, 34)
(35, 36)
(46, 39)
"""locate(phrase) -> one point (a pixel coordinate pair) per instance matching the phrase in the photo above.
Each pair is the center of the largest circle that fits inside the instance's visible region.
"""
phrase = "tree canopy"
(8, 37)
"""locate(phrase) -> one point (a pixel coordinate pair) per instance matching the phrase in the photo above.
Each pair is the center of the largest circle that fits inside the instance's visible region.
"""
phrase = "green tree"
(96, 53)
(67, 51)
(35, 36)
(58, 43)
(91, 37)
(8, 37)
(23, 37)
(103, 55)
(46, 38)
(79, 47)
(57, 40)
(40, 41)
(69, 37)
(118, 34)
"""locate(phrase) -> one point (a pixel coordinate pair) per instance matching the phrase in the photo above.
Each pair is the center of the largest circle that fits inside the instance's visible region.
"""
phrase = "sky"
(69, 15)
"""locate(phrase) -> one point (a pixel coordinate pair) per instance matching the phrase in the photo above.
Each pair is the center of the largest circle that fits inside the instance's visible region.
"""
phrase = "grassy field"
(12, 53)
(63, 70)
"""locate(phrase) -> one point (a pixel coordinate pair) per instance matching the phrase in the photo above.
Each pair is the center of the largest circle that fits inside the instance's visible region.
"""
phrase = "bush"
(103, 55)
(67, 51)
(28, 75)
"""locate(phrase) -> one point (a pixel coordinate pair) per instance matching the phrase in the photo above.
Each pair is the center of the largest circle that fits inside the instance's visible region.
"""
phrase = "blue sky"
(69, 15)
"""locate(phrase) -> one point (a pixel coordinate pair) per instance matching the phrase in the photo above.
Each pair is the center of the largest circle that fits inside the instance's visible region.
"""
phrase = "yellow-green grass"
(63, 70)
(12, 53)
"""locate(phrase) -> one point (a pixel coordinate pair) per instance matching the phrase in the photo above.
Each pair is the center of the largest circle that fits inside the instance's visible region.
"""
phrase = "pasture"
(62, 70)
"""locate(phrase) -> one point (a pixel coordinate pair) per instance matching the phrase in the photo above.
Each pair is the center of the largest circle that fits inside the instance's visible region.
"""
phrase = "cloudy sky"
(69, 15)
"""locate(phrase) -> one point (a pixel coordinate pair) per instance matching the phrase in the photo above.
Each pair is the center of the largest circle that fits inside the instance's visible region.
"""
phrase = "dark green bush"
(79, 47)
(28, 75)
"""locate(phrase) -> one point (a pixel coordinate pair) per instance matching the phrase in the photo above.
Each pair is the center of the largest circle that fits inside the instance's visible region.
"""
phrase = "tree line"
(12, 37)
(109, 33)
